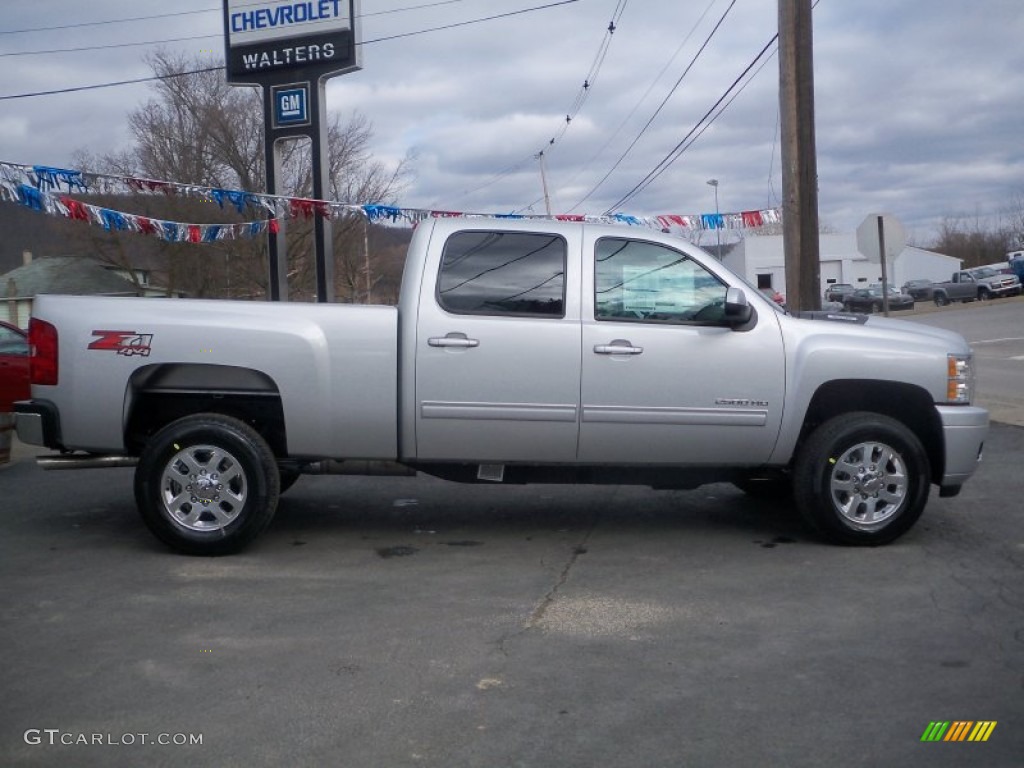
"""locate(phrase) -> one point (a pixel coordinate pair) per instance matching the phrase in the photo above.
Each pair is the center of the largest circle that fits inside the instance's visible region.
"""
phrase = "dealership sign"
(268, 37)
(290, 48)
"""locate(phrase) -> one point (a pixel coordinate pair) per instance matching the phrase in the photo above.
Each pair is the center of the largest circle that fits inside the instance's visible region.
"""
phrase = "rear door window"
(520, 274)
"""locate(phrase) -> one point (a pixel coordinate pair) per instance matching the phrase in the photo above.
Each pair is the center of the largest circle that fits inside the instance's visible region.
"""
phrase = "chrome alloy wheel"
(868, 485)
(203, 488)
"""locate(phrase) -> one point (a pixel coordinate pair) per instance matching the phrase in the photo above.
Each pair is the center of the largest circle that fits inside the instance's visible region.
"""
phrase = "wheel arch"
(907, 403)
(162, 393)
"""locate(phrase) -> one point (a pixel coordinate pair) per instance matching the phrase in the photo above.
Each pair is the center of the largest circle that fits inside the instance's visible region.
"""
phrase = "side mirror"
(737, 310)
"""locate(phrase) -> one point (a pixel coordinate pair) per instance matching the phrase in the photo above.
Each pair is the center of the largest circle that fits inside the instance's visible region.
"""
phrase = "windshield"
(983, 272)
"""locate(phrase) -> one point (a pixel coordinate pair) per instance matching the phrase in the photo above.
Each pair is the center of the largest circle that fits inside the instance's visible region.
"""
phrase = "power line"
(472, 21)
(679, 148)
(595, 68)
(108, 85)
(221, 66)
(221, 35)
(577, 106)
(494, 180)
(101, 23)
(661, 106)
(697, 129)
(636, 106)
(109, 46)
(196, 12)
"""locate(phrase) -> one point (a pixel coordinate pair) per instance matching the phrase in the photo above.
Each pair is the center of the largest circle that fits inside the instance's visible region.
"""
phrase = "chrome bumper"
(964, 429)
(37, 423)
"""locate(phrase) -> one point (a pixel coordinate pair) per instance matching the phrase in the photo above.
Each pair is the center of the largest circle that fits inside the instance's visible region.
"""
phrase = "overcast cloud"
(919, 102)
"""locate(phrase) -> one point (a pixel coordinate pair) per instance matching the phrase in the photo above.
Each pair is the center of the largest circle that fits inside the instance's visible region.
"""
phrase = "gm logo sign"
(291, 105)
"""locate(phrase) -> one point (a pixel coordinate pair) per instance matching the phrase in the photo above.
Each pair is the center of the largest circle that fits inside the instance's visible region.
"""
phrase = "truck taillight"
(42, 339)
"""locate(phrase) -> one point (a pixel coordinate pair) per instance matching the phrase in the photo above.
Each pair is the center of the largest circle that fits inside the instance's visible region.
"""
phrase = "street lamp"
(718, 220)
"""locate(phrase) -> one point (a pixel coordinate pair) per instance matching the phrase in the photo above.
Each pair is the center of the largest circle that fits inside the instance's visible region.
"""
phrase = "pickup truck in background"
(530, 351)
(1015, 260)
(981, 283)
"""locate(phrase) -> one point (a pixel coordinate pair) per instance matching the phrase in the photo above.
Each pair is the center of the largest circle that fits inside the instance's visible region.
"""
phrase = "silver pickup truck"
(982, 283)
(520, 351)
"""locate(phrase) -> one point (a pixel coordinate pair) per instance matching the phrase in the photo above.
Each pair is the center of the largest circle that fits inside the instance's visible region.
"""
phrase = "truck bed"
(334, 367)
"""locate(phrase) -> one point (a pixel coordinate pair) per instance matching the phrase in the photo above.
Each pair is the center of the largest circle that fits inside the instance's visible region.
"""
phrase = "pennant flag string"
(40, 188)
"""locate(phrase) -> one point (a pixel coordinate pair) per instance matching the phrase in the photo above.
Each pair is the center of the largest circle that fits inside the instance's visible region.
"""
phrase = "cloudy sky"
(919, 102)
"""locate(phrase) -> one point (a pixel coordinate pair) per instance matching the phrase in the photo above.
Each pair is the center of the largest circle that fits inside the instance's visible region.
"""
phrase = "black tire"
(941, 300)
(227, 499)
(984, 295)
(862, 479)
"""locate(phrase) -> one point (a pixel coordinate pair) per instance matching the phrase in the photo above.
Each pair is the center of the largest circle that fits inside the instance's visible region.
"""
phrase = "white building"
(761, 260)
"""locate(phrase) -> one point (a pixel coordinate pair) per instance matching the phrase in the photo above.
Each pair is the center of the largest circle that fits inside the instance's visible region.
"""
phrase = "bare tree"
(974, 241)
(199, 130)
(1016, 221)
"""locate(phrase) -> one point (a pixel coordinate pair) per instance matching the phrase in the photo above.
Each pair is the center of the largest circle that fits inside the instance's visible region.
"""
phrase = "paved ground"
(410, 622)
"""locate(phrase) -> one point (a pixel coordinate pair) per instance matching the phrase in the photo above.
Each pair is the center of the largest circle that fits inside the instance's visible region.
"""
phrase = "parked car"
(838, 292)
(14, 382)
(774, 295)
(991, 284)
(870, 300)
(921, 290)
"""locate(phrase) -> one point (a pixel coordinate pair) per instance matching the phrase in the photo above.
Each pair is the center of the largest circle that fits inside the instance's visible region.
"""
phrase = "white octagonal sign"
(894, 235)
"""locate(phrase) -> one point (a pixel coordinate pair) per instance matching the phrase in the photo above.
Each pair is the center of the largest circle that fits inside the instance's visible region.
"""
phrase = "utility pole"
(544, 183)
(799, 156)
(718, 217)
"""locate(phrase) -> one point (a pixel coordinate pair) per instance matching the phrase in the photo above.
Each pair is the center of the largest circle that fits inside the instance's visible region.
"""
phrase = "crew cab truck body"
(981, 283)
(520, 351)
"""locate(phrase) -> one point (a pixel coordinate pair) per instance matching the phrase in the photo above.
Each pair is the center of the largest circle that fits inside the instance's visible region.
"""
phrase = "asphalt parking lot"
(412, 622)
(408, 622)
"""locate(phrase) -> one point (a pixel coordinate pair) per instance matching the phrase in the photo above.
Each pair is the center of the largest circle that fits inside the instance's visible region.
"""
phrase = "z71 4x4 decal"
(126, 343)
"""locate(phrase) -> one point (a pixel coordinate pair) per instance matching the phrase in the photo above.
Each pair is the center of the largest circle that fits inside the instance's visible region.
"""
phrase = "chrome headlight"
(960, 378)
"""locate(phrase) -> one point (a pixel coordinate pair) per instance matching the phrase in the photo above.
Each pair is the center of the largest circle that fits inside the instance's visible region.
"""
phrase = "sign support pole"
(290, 50)
(277, 253)
(322, 241)
(885, 278)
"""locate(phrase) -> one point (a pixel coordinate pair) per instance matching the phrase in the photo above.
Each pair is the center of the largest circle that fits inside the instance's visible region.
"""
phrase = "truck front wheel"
(207, 484)
(862, 479)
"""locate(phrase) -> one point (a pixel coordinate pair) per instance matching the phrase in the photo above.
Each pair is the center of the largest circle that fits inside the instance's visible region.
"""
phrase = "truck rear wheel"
(207, 484)
(941, 300)
(862, 479)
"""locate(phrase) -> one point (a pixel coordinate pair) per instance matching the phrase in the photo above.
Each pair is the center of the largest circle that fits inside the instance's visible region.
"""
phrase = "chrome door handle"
(453, 340)
(618, 347)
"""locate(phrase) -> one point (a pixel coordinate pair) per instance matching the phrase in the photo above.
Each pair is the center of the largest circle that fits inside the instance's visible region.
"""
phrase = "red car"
(14, 382)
